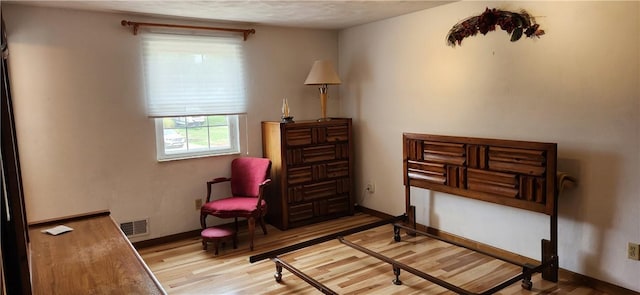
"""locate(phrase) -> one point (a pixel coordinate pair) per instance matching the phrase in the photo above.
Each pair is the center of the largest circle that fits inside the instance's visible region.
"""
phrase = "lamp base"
(323, 103)
(323, 119)
(287, 120)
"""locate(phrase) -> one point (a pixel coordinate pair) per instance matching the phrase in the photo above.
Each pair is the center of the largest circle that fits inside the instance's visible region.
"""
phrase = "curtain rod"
(136, 25)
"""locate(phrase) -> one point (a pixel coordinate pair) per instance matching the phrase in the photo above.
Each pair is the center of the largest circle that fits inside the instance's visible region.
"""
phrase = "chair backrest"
(247, 174)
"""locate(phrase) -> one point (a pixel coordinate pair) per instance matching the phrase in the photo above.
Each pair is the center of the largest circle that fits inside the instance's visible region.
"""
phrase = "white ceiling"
(325, 14)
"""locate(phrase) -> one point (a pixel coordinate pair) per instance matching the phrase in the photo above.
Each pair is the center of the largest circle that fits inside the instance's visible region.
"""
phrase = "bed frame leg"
(278, 274)
(411, 219)
(396, 233)
(549, 272)
(396, 272)
(527, 270)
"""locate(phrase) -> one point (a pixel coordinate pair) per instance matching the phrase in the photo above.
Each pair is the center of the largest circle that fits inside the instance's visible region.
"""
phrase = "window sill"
(188, 157)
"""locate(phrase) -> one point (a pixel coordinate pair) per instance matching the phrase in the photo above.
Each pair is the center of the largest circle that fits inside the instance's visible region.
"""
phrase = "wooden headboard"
(518, 174)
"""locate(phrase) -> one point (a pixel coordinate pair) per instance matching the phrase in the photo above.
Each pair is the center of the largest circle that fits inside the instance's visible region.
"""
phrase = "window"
(195, 91)
(194, 136)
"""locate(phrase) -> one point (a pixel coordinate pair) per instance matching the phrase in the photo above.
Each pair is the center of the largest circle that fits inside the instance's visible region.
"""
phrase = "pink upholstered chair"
(249, 176)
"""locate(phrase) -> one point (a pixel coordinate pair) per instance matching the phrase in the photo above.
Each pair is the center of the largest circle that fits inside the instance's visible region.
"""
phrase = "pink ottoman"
(217, 234)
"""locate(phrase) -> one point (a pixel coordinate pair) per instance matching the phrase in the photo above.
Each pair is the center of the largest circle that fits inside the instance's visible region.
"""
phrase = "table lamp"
(322, 74)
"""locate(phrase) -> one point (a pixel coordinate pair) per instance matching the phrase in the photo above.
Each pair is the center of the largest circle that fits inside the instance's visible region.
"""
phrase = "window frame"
(234, 125)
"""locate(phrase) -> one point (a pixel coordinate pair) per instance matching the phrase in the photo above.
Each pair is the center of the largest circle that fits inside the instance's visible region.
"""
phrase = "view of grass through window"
(196, 133)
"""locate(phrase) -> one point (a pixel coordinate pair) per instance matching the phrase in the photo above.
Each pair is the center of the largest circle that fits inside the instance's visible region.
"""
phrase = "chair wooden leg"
(263, 224)
(236, 223)
(216, 244)
(203, 222)
(252, 227)
(235, 240)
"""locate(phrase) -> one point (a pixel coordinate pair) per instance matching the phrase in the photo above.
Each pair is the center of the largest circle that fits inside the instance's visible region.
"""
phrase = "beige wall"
(578, 86)
(85, 141)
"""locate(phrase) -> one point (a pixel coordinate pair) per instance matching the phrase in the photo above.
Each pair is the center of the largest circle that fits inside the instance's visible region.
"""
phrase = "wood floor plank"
(182, 267)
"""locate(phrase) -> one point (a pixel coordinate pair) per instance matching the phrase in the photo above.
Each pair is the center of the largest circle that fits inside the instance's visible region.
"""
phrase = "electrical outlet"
(198, 204)
(633, 251)
(371, 188)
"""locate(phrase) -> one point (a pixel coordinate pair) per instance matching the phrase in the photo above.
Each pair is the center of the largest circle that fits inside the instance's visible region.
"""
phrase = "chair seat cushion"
(233, 206)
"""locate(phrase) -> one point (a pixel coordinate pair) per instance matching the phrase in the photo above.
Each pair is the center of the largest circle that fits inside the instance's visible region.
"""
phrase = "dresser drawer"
(317, 190)
(337, 133)
(300, 212)
(318, 209)
(316, 135)
(336, 169)
(309, 192)
(298, 175)
(316, 154)
(298, 136)
(337, 205)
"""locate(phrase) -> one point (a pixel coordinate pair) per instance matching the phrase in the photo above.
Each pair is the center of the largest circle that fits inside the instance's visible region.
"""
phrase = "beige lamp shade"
(322, 72)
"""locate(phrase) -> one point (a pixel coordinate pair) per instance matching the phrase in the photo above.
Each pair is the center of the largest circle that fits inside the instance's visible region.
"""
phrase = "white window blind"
(193, 75)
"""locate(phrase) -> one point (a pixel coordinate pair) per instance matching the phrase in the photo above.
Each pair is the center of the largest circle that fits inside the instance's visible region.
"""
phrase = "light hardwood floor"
(184, 268)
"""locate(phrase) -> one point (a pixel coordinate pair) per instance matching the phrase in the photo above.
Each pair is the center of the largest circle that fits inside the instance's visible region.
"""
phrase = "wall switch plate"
(633, 251)
(198, 204)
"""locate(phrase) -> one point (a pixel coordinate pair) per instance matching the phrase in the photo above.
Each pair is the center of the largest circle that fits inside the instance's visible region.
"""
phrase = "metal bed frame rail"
(525, 276)
(280, 264)
(274, 253)
(527, 269)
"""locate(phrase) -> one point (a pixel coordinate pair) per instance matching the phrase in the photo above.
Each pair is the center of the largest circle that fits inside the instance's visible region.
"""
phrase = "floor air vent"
(135, 228)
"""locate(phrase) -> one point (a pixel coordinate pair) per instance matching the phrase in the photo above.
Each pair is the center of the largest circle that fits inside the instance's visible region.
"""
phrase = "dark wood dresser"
(312, 170)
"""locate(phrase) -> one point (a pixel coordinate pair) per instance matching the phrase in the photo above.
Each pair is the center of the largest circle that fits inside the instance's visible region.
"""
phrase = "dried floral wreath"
(514, 23)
